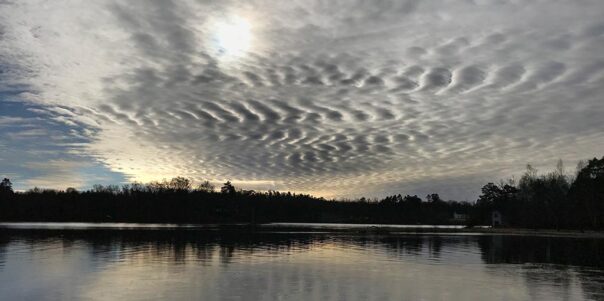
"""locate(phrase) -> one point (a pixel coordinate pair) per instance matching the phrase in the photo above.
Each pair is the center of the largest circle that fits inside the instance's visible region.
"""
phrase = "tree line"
(553, 200)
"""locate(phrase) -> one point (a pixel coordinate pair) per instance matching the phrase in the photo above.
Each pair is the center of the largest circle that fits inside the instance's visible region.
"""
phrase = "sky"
(333, 98)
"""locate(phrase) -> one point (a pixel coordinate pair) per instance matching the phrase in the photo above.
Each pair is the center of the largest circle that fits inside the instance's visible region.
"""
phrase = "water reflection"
(551, 250)
(552, 261)
(109, 264)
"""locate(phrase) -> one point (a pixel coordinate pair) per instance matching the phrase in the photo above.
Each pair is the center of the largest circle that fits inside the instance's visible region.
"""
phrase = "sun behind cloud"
(231, 37)
(337, 98)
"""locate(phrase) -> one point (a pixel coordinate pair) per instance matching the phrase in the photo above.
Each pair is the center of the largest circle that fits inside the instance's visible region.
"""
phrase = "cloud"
(11, 120)
(341, 98)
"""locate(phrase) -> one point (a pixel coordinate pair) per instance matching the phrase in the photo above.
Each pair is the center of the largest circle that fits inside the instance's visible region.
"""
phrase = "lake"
(169, 262)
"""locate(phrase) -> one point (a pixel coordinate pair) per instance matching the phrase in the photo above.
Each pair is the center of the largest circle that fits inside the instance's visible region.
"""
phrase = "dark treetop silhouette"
(553, 200)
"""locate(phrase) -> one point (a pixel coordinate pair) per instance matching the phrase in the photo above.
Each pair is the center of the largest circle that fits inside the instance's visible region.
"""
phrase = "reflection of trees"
(435, 245)
(179, 246)
(566, 258)
(426, 246)
(226, 253)
(539, 280)
(168, 245)
(591, 283)
(401, 247)
(4, 241)
(551, 250)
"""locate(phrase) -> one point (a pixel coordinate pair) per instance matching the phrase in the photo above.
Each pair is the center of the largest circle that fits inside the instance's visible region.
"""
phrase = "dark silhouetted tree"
(71, 190)
(6, 187)
(206, 186)
(587, 193)
(180, 184)
(228, 188)
(552, 200)
(502, 197)
(433, 198)
(412, 200)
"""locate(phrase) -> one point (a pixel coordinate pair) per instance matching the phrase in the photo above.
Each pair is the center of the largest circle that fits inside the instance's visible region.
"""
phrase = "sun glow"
(232, 37)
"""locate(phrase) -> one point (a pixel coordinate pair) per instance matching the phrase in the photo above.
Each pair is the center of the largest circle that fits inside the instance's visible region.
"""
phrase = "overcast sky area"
(333, 98)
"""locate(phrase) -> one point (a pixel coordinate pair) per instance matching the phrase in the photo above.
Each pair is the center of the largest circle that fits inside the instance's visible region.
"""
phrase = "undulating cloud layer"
(336, 98)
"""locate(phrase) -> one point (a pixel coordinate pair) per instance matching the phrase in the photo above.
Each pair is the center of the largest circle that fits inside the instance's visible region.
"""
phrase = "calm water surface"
(81, 262)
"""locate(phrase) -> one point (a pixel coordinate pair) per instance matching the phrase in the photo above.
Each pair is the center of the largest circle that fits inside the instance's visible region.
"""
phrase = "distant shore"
(336, 228)
(433, 229)
(539, 232)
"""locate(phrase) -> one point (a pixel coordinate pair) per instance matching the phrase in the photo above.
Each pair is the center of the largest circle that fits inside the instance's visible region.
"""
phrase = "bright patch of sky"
(38, 149)
(335, 98)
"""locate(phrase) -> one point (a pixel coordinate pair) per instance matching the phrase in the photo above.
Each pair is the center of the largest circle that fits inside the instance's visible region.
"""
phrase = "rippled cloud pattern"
(334, 98)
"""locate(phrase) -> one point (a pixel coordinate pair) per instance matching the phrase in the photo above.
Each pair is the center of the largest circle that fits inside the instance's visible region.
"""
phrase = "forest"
(553, 200)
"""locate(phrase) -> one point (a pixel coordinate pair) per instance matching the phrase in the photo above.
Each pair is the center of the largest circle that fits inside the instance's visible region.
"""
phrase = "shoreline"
(440, 230)
(360, 229)
(542, 232)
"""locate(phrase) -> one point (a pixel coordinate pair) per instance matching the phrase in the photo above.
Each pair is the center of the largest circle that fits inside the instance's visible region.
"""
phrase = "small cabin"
(496, 219)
